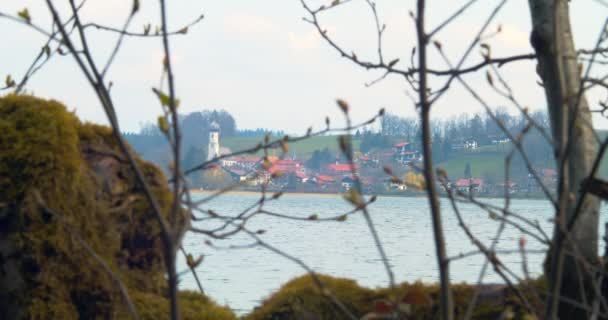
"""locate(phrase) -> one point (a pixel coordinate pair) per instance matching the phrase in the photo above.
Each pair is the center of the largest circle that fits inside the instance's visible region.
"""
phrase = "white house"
(467, 144)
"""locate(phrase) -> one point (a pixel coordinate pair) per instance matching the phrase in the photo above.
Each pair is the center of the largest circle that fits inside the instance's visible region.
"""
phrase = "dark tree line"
(393, 125)
(260, 132)
(477, 126)
(370, 141)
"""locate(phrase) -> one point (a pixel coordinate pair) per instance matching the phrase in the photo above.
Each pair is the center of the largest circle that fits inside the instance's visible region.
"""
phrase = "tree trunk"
(575, 149)
(445, 294)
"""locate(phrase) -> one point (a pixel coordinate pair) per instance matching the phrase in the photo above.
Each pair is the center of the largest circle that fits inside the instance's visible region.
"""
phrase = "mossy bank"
(79, 172)
(301, 298)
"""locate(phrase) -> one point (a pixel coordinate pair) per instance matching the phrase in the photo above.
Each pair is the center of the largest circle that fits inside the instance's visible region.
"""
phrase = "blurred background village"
(471, 150)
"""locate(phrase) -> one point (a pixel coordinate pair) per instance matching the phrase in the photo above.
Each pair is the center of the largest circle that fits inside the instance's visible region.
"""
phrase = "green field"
(492, 162)
(480, 163)
(302, 149)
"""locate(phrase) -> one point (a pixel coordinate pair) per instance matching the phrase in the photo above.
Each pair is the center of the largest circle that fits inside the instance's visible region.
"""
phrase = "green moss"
(79, 171)
(300, 297)
(39, 145)
(41, 152)
(95, 134)
(193, 306)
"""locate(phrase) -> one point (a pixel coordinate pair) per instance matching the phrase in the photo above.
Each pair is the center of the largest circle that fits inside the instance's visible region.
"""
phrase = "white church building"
(214, 141)
(214, 149)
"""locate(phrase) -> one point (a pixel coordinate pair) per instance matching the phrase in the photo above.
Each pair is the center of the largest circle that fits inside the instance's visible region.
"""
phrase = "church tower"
(214, 141)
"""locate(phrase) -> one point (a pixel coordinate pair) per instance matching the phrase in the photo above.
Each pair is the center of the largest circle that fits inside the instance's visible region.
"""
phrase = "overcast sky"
(261, 62)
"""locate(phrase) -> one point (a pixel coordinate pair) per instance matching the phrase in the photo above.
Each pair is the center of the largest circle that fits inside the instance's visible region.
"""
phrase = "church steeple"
(214, 141)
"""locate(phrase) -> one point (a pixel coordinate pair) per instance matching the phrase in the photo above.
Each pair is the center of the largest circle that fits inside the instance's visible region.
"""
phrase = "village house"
(339, 169)
(252, 171)
(291, 181)
(301, 177)
(238, 175)
(510, 186)
(407, 157)
(366, 161)
(402, 146)
(475, 185)
(392, 184)
(247, 177)
(349, 182)
(241, 162)
(286, 166)
(498, 139)
(321, 183)
(404, 153)
(228, 162)
(286, 174)
(466, 144)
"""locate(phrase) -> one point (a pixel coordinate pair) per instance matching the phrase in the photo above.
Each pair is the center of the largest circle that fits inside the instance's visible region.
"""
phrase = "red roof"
(401, 144)
(301, 175)
(549, 172)
(509, 184)
(467, 182)
(289, 162)
(251, 159)
(212, 167)
(341, 167)
(364, 158)
(321, 178)
(284, 168)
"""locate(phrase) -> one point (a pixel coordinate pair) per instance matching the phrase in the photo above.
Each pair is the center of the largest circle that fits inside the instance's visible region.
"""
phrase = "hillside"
(302, 149)
(481, 163)
(490, 161)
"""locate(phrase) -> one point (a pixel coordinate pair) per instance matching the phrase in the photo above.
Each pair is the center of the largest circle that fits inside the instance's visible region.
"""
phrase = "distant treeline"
(478, 126)
(260, 132)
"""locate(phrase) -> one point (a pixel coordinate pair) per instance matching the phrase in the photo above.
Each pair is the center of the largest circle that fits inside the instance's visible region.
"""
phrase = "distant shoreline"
(315, 194)
(247, 192)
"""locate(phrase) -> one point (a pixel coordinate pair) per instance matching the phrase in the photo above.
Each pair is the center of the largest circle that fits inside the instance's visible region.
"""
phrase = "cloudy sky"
(261, 62)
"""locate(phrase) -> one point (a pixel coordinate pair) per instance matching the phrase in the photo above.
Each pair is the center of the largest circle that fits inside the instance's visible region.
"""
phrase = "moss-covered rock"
(300, 298)
(80, 173)
(39, 146)
(193, 306)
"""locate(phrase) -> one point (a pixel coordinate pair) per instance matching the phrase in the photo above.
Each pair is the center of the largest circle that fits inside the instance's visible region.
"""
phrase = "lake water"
(241, 278)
